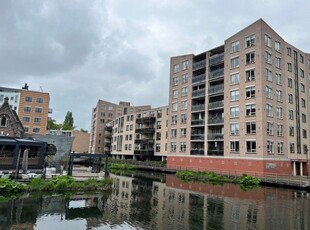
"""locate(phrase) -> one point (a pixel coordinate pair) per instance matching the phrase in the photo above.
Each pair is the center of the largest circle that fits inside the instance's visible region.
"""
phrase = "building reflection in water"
(139, 202)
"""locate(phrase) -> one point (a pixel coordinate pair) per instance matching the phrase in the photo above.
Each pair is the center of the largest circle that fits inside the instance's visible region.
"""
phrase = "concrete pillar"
(301, 169)
(123, 157)
(294, 168)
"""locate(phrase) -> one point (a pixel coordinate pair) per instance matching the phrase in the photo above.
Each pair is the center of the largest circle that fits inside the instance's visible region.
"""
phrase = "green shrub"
(249, 180)
(11, 186)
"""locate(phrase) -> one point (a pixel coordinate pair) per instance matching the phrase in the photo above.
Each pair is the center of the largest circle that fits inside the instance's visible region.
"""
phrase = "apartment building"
(241, 106)
(32, 107)
(104, 113)
(141, 135)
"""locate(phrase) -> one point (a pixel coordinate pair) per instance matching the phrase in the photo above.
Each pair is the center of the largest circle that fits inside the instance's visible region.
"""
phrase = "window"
(26, 119)
(234, 95)
(278, 62)
(28, 99)
(250, 92)
(183, 146)
(268, 57)
(26, 129)
(279, 112)
(277, 46)
(269, 128)
(280, 147)
(234, 146)
(175, 93)
(157, 147)
(234, 62)
(289, 67)
(38, 110)
(250, 110)
(290, 98)
(234, 129)
(184, 78)
(183, 132)
(292, 148)
(288, 51)
(279, 95)
(250, 58)
(291, 131)
(280, 130)
(301, 58)
(290, 82)
(304, 133)
(174, 106)
(250, 75)
(174, 120)
(278, 79)
(269, 110)
(304, 118)
(110, 107)
(251, 146)
(302, 73)
(27, 109)
(175, 80)
(234, 78)
(268, 92)
(268, 74)
(185, 65)
(290, 115)
(183, 105)
(158, 124)
(251, 127)
(176, 68)
(234, 47)
(37, 120)
(267, 40)
(302, 87)
(39, 100)
(3, 122)
(270, 147)
(234, 111)
(173, 133)
(184, 91)
(303, 103)
(36, 130)
(249, 41)
(305, 149)
(183, 118)
(173, 146)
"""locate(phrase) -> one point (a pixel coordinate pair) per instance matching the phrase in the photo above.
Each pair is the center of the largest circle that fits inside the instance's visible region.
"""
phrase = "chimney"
(25, 87)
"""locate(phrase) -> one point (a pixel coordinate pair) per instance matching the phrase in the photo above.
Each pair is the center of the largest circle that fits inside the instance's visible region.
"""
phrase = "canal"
(156, 201)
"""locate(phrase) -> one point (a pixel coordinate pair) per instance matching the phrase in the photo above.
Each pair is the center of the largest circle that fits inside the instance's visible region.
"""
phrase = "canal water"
(156, 201)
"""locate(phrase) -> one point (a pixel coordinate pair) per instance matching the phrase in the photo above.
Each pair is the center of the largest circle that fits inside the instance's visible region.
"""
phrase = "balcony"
(197, 152)
(216, 59)
(145, 130)
(216, 136)
(199, 65)
(199, 78)
(216, 73)
(216, 105)
(145, 120)
(199, 93)
(198, 122)
(215, 152)
(198, 108)
(216, 120)
(149, 152)
(196, 137)
(144, 141)
(216, 89)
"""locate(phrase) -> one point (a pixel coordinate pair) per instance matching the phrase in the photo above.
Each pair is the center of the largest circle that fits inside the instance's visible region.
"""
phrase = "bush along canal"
(246, 182)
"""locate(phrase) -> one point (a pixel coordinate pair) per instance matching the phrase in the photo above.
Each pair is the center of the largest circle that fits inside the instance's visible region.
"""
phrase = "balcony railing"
(199, 65)
(216, 136)
(215, 152)
(197, 137)
(216, 59)
(197, 152)
(216, 120)
(199, 93)
(144, 152)
(216, 73)
(216, 89)
(198, 122)
(216, 104)
(146, 120)
(199, 78)
(198, 108)
(145, 130)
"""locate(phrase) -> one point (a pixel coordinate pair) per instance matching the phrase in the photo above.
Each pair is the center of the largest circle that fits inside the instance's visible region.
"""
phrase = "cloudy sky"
(118, 50)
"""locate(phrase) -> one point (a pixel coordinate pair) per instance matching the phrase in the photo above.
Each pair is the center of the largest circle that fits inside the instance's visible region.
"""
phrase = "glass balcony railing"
(216, 104)
(216, 73)
(216, 136)
(199, 93)
(216, 59)
(216, 120)
(199, 65)
(198, 108)
(216, 89)
(198, 122)
(199, 78)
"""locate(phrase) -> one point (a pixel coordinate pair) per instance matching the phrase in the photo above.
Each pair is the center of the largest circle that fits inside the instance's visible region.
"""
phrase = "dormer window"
(3, 122)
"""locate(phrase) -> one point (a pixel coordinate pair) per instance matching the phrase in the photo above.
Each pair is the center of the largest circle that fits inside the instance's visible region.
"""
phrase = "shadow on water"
(155, 201)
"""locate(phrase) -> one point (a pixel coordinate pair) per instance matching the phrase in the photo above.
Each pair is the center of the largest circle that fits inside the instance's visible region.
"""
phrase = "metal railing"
(216, 74)
(216, 104)
(199, 93)
(216, 136)
(198, 122)
(198, 78)
(198, 108)
(216, 120)
(216, 59)
(199, 65)
(216, 89)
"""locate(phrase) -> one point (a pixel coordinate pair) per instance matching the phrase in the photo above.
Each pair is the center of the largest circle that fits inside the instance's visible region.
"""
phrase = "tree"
(51, 124)
(83, 130)
(69, 121)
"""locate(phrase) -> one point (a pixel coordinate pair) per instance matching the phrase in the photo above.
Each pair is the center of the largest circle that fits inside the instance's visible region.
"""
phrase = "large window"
(174, 106)
(185, 65)
(39, 100)
(183, 118)
(267, 40)
(277, 46)
(268, 74)
(183, 132)
(234, 78)
(37, 120)
(249, 41)
(269, 110)
(278, 62)
(289, 67)
(290, 98)
(234, 146)
(183, 146)
(268, 92)
(184, 78)
(175, 93)
(280, 130)
(250, 110)
(28, 99)
(184, 91)
(250, 92)
(176, 68)
(235, 47)
(279, 112)
(234, 95)
(278, 79)
(36, 130)
(290, 82)
(175, 80)
(290, 115)
(269, 128)
(251, 127)
(268, 57)
(251, 146)
(234, 111)
(234, 62)
(173, 147)
(270, 147)
(234, 129)
(280, 147)
(183, 105)
(250, 75)
(279, 95)
(27, 109)
(38, 110)
(173, 133)
(291, 131)
(3, 121)
(292, 148)
(26, 119)
(174, 120)
(250, 58)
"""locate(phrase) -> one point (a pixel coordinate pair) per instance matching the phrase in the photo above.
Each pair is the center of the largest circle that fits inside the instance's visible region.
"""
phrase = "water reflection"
(159, 202)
